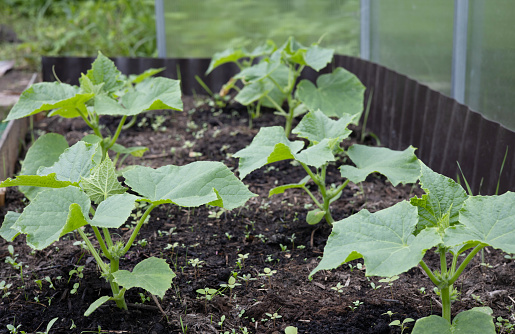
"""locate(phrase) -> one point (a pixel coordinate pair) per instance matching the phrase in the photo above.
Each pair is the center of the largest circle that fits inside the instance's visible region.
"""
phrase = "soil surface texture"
(266, 232)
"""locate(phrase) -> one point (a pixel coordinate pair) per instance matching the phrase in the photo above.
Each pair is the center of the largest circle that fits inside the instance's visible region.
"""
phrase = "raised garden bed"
(269, 230)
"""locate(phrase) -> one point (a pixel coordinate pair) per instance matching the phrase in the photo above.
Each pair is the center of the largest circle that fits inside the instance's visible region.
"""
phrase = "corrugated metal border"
(403, 112)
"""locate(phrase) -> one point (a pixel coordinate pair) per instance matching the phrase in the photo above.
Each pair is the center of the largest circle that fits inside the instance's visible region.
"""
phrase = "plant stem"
(465, 262)
(116, 135)
(137, 228)
(115, 288)
(313, 197)
(100, 262)
(429, 273)
(101, 242)
(445, 295)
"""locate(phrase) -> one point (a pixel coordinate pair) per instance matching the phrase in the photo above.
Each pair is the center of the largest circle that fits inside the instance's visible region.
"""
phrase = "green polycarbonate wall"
(199, 28)
(414, 38)
(490, 81)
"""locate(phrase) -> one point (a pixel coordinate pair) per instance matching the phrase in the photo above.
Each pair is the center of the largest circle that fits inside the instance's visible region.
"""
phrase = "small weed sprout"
(284, 248)
(196, 264)
(389, 314)
(5, 288)
(231, 284)
(268, 273)
(402, 325)
(240, 262)
(338, 288)
(504, 325)
(355, 305)
(374, 286)
(247, 278)
(273, 316)
(390, 281)
(207, 294)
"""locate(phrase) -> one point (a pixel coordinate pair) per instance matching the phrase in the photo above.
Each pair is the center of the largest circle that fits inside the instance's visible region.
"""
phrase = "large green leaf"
(192, 185)
(104, 71)
(53, 213)
(226, 56)
(152, 274)
(317, 57)
(114, 211)
(384, 239)
(6, 230)
(75, 162)
(44, 152)
(474, 321)
(102, 182)
(37, 181)
(336, 94)
(443, 197)
(316, 126)
(47, 96)
(269, 145)
(151, 94)
(397, 166)
(489, 220)
(263, 81)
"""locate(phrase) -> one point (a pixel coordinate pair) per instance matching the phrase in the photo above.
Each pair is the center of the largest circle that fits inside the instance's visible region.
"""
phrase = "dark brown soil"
(260, 229)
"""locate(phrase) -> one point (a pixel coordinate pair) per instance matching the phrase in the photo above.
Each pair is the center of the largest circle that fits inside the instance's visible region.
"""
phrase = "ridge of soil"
(261, 228)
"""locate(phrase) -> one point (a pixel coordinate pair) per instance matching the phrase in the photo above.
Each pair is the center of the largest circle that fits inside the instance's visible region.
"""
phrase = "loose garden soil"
(260, 229)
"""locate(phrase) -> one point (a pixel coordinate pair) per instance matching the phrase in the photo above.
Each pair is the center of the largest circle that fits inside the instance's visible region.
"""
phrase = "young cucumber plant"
(80, 177)
(103, 90)
(324, 136)
(274, 80)
(394, 240)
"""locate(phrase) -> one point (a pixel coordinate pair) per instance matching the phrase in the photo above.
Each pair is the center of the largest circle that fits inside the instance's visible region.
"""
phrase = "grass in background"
(77, 28)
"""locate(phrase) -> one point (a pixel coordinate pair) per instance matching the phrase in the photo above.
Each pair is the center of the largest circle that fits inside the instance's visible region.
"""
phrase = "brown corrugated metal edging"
(403, 112)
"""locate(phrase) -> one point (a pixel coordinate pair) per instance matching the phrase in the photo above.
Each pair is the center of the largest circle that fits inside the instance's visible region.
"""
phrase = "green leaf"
(53, 213)
(474, 321)
(281, 189)
(136, 151)
(316, 126)
(47, 96)
(102, 182)
(45, 181)
(114, 211)
(96, 304)
(192, 185)
(315, 216)
(443, 196)
(317, 57)
(6, 230)
(104, 71)
(226, 56)
(75, 162)
(319, 154)
(269, 145)
(384, 239)
(145, 75)
(336, 94)
(152, 274)
(261, 79)
(151, 94)
(397, 166)
(489, 220)
(44, 152)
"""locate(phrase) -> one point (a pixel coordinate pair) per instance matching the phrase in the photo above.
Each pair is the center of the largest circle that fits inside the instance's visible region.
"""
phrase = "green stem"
(465, 262)
(107, 236)
(100, 262)
(429, 273)
(443, 261)
(115, 288)
(278, 107)
(445, 295)
(117, 133)
(137, 228)
(101, 242)
(313, 197)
